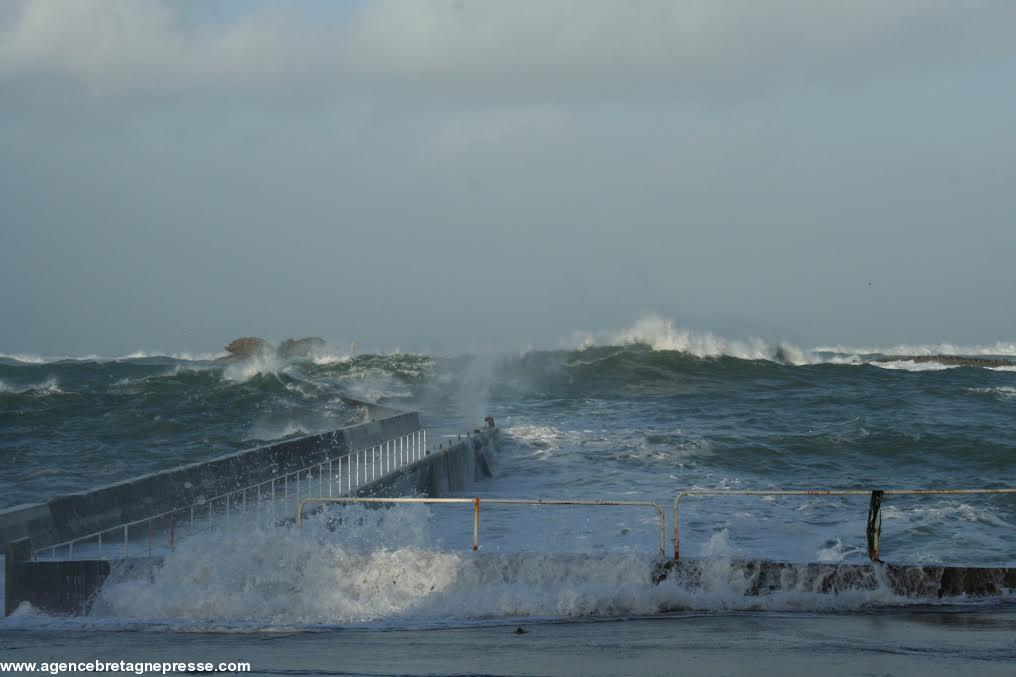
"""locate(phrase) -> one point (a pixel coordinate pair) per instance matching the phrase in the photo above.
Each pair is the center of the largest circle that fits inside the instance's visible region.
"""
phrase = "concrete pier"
(74, 515)
(762, 577)
(69, 586)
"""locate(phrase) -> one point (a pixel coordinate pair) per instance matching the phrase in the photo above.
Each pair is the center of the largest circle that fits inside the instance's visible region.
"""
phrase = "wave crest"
(660, 334)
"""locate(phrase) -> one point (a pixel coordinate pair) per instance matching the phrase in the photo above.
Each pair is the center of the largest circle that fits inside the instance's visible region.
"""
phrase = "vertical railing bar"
(149, 538)
(476, 523)
(125, 528)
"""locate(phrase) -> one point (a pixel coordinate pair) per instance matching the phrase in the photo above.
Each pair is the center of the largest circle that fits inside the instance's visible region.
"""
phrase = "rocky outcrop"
(248, 346)
(304, 347)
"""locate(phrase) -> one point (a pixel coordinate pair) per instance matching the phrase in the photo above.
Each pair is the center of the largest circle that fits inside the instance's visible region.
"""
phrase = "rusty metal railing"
(495, 501)
(874, 524)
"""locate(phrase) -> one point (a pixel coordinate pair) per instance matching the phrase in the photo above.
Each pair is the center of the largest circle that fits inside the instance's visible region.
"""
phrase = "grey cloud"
(501, 50)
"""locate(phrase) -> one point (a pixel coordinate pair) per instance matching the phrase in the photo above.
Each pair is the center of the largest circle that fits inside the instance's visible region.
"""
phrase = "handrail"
(498, 501)
(387, 456)
(874, 518)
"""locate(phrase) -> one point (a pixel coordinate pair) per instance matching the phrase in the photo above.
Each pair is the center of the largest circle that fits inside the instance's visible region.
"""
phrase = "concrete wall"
(81, 513)
(68, 587)
(451, 468)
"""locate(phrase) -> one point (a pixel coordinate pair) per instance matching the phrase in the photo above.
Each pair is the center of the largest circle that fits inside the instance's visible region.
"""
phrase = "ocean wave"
(31, 358)
(661, 334)
(50, 386)
(910, 365)
(259, 364)
(1001, 392)
(276, 577)
(1001, 348)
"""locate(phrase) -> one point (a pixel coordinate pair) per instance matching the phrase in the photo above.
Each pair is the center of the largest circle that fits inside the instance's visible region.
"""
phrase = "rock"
(245, 346)
(301, 347)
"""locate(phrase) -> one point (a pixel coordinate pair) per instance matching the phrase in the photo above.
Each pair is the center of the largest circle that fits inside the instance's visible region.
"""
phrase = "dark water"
(629, 422)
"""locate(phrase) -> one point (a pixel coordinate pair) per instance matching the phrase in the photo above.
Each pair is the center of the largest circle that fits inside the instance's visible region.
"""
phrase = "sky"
(459, 175)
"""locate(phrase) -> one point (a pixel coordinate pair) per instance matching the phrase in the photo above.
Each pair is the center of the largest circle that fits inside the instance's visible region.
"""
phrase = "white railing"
(475, 502)
(874, 524)
(341, 475)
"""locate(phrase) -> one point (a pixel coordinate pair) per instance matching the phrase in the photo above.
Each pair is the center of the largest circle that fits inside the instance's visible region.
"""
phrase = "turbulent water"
(636, 415)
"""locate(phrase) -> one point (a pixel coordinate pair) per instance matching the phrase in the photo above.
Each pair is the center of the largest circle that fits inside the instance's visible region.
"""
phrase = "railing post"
(172, 531)
(476, 523)
(677, 535)
(874, 524)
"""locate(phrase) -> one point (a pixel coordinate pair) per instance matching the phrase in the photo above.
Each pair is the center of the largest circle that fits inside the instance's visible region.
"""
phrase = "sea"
(635, 415)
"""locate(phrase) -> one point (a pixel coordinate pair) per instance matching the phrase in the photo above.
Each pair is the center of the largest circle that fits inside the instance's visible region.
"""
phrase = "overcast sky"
(460, 175)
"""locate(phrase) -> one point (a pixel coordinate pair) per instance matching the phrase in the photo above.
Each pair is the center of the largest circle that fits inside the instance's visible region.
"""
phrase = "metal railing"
(322, 500)
(340, 475)
(874, 525)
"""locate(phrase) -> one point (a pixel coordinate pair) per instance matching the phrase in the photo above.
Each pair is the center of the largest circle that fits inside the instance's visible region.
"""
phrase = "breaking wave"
(661, 334)
(278, 577)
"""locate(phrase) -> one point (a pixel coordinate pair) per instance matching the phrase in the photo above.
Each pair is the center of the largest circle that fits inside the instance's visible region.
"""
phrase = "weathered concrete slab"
(762, 577)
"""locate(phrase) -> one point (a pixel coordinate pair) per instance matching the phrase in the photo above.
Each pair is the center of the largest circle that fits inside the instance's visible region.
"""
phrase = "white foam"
(1001, 392)
(379, 567)
(23, 357)
(836, 552)
(910, 365)
(50, 386)
(661, 334)
(259, 364)
(1000, 348)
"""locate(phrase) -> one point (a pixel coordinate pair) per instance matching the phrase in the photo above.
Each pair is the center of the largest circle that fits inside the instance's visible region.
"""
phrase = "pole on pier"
(874, 524)
(476, 523)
